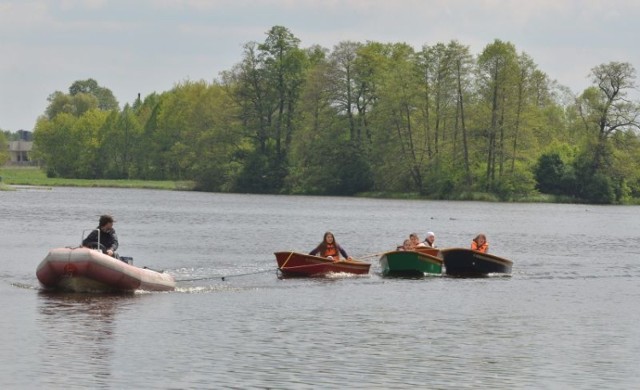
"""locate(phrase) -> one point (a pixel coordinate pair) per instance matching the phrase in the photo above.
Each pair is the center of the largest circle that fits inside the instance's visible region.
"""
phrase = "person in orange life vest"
(480, 243)
(430, 240)
(330, 249)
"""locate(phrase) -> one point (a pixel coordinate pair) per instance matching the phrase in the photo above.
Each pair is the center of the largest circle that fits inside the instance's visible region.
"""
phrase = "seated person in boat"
(415, 241)
(330, 249)
(429, 241)
(104, 237)
(406, 246)
(480, 243)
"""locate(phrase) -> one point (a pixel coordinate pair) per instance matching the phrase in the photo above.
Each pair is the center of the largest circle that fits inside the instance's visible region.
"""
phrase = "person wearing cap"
(104, 237)
(430, 240)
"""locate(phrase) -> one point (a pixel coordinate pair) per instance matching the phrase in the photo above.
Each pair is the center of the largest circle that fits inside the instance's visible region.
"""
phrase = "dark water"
(567, 318)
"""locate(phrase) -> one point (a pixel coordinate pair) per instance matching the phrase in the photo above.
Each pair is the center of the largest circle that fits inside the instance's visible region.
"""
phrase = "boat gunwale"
(420, 255)
(324, 260)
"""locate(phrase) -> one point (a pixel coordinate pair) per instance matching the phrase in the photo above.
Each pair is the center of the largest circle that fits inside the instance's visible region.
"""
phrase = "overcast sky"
(145, 46)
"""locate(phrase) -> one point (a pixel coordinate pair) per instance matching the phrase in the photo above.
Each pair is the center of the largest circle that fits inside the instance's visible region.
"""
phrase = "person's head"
(431, 237)
(414, 238)
(328, 238)
(480, 239)
(106, 222)
(407, 244)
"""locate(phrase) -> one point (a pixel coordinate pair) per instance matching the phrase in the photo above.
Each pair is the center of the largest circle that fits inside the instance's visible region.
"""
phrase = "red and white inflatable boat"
(89, 270)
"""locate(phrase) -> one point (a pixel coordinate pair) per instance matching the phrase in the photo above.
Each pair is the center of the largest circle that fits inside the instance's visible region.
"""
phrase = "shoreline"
(12, 178)
(16, 178)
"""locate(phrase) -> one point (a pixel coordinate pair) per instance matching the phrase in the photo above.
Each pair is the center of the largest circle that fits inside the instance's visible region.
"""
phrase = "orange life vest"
(482, 248)
(332, 251)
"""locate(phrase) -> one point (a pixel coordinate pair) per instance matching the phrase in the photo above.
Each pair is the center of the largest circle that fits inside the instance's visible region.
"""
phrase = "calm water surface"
(567, 318)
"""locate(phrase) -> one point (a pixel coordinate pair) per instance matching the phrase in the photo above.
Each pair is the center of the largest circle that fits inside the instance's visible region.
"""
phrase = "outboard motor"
(127, 259)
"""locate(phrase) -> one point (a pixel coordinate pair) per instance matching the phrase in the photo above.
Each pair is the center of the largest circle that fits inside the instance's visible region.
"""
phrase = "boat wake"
(25, 286)
(208, 289)
(344, 275)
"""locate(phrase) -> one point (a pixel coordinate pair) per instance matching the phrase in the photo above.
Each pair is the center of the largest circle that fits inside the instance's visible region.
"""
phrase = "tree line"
(437, 121)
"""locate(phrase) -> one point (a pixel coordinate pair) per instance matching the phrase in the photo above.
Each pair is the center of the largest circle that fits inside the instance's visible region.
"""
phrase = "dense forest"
(437, 122)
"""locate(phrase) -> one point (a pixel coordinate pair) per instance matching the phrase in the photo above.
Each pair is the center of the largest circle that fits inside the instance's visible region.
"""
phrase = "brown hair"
(105, 219)
(324, 243)
(478, 237)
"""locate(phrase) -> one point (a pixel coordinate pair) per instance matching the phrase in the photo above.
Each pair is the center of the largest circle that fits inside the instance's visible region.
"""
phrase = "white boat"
(89, 270)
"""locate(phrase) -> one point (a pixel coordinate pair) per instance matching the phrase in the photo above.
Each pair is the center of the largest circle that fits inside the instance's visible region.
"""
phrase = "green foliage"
(104, 96)
(351, 172)
(258, 175)
(518, 185)
(550, 173)
(579, 181)
(598, 189)
(370, 117)
(76, 105)
(4, 147)
(83, 96)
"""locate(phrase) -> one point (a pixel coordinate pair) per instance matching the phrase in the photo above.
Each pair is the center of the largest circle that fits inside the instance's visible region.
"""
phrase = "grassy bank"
(472, 196)
(33, 176)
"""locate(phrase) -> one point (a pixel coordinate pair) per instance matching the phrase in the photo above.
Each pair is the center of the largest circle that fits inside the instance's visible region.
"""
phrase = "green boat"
(410, 263)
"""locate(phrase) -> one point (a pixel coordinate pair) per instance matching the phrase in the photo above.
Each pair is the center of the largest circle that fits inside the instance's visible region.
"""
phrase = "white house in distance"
(20, 150)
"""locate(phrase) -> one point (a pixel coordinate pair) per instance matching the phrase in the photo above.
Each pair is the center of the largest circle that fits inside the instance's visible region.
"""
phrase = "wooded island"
(438, 122)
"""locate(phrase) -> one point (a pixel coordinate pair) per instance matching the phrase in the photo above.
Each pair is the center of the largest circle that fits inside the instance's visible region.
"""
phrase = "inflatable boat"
(89, 270)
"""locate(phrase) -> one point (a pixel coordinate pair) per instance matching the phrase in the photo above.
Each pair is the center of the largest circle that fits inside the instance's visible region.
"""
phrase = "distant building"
(20, 150)
(25, 135)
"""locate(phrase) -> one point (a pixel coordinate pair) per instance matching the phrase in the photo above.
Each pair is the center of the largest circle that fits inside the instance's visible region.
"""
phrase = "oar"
(286, 261)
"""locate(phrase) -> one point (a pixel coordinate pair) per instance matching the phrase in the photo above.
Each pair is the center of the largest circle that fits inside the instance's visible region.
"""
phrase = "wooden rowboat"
(300, 264)
(467, 262)
(410, 263)
(428, 250)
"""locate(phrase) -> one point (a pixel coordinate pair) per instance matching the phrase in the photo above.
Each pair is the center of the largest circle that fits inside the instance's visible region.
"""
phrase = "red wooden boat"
(428, 250)
(300, 264)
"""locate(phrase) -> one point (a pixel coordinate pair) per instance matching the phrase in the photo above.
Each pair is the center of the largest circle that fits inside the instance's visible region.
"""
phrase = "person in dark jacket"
(104, 237)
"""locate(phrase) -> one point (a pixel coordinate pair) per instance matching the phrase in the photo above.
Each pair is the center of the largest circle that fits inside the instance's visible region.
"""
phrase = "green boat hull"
(409, 263)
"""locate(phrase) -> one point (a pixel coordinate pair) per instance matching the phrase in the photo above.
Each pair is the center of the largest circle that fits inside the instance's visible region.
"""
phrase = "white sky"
(142, 46)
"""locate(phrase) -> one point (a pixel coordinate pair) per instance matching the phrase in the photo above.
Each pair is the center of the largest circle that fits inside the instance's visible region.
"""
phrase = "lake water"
(566, 318)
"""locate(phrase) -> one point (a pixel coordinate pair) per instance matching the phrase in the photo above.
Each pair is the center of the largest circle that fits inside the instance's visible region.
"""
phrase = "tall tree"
(284, 63)
(606, 107)
(69, 145)
(367, 72)
(75, 105)
(398, 102)
(106, 100)
(267, 85)
(247, 82)
(120, 136)
(462, 62)
(497, 66)
(342, 82)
